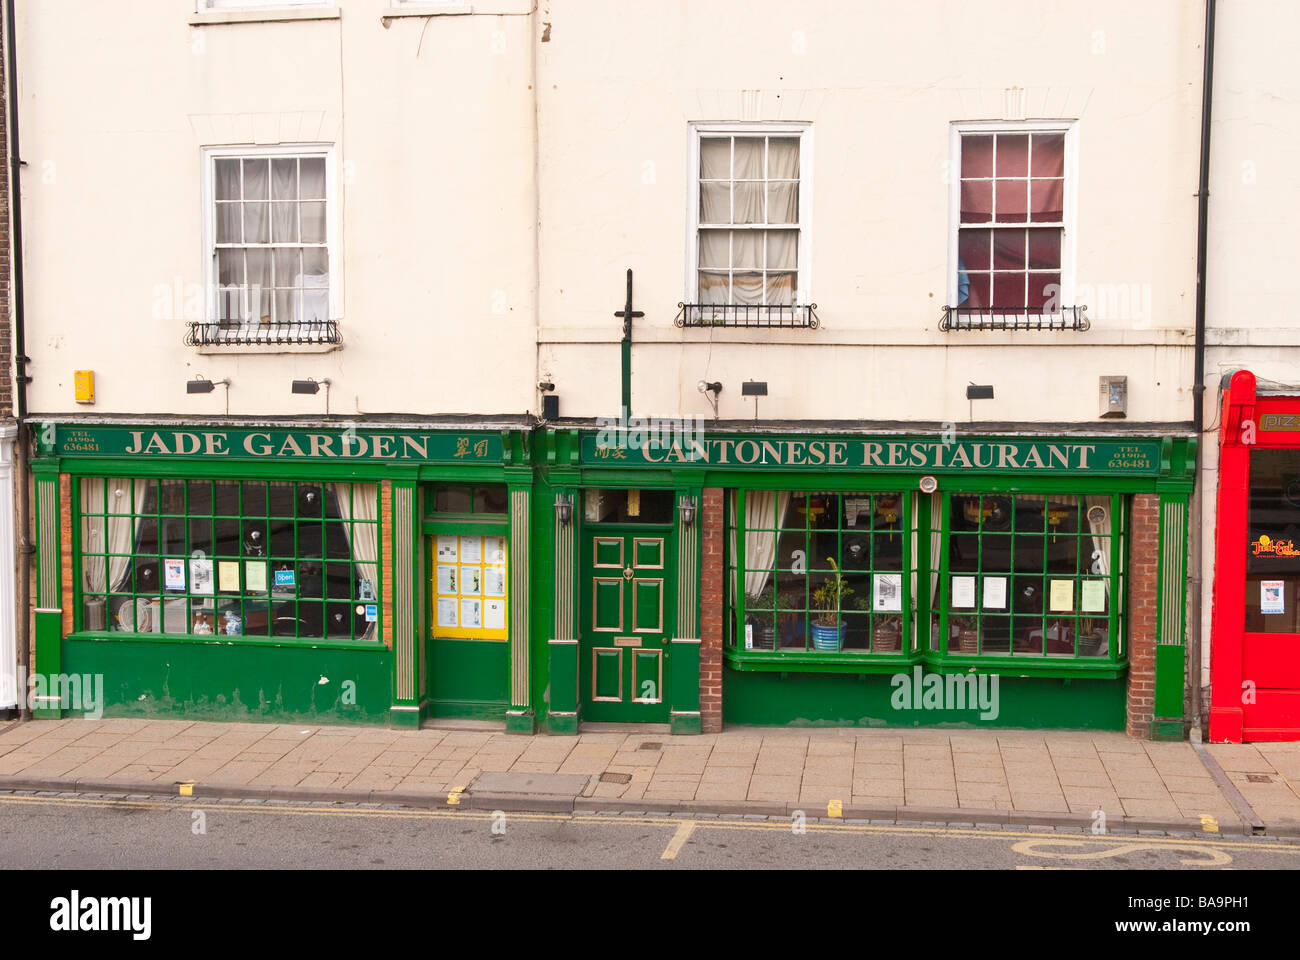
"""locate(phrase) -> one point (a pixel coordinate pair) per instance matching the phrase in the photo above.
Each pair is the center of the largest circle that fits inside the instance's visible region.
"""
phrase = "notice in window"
(962, 595)
(201, 576)
(174, 574)
(494, 581)
(1092, 596)
(995, 593)
(494, 550)
(470, 578)
(888, 592)
(447, 608)
(255, 576)
(471, 616)
(1061, 596)
(471, 549)
(447, 549)
(494, 614)
(1272, 596)
(228, 576)
(446, 579)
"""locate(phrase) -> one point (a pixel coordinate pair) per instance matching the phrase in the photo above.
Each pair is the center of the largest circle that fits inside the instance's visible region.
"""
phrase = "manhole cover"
(651, 745)
(616, 778)
(1259, 778)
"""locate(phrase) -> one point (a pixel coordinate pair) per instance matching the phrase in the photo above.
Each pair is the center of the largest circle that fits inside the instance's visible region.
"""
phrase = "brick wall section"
(711, 610)
(1143, 570)
(65, 551)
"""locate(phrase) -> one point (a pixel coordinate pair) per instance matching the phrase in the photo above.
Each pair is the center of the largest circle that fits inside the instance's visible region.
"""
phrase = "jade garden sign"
(316, 445)
(1135, 457)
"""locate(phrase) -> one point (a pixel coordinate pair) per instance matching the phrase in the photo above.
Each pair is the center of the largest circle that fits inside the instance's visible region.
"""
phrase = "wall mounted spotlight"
(202, 385)
(312, 387)
(711, 389)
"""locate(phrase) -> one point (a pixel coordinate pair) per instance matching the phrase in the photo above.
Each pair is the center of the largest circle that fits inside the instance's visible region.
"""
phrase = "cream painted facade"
(440, 148)
(1251, 322)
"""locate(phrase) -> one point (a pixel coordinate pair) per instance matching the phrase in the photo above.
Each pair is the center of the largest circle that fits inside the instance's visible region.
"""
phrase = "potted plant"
(792, 621)
(759, 617)
(964, 628)
(828, 599)
(889, 630)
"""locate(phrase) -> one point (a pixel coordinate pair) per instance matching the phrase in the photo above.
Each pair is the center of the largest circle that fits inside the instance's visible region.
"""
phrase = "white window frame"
(1070, 128)
(333, 219)
(803, 282)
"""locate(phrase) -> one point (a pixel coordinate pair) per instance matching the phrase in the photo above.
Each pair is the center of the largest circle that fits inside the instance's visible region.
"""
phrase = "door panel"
(626, 612)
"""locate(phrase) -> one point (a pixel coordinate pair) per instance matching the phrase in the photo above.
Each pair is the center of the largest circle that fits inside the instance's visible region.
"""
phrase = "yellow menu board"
(469, 587)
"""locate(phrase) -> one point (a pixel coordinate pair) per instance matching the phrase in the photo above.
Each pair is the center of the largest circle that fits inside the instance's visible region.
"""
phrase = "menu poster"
(174, 574)
(494, 549)
(1272, 596)
(963, 592)
(201, 576)
(255, 576)
(471, 614)
(446, 579)
(447, 612)
(228, 576)
(494, 581)
(494, 614)
(1092, 596)
(469, 581)
(446, 549)
(1061, 596)
(995, 593)
(888, 592)
(471, 549)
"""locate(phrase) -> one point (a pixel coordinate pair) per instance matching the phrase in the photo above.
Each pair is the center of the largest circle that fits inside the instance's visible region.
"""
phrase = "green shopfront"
(544, 577)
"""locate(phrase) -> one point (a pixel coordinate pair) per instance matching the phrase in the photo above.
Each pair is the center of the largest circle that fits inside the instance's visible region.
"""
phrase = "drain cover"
(1259, 778)
(651, 745)
(616, 778)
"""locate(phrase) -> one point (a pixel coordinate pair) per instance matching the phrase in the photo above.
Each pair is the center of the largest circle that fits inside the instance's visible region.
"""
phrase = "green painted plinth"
(1166, 729)
(565, 725)
(680, 725)
(407, 718)
(519, 722)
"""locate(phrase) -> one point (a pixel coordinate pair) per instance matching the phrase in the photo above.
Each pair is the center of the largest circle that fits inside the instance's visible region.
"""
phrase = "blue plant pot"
(829, 639)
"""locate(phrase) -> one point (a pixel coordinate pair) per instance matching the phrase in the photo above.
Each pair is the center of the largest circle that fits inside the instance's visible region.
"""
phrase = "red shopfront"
(1255, 634)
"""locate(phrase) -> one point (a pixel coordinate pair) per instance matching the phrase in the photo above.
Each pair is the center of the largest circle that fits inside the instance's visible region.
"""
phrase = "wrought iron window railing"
(235, 333)
(746, 315)
(1013, 318)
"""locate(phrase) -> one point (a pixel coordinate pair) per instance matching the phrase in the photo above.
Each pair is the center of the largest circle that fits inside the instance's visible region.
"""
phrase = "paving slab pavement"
(997, 776)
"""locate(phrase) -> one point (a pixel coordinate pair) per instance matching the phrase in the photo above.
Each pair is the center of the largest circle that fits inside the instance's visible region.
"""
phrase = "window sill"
(1098, 668)
(427, 10)
(803, 662)
(223, 640)
(217, 17)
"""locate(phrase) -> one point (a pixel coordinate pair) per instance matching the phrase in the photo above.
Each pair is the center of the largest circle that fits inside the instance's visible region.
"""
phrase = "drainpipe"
(22, 478)
(1198, 385)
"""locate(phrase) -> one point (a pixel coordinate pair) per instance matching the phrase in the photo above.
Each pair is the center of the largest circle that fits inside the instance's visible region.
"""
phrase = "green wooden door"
(628, 593)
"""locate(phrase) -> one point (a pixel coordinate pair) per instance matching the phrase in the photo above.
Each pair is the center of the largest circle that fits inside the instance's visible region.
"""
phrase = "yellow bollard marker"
(835, 808)
(453, 798)
(186, 788)
(1209, 824)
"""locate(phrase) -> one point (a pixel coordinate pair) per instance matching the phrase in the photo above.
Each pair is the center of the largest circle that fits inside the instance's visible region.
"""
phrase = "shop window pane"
(254, 499)
(492, 499)
(201, 536)
(453, 500)
(281, 499)
(1273, 542)
(227, 543)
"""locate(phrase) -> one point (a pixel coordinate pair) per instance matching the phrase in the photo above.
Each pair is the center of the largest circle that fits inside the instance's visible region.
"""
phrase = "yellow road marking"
(453, 798)
(684, 831)
(1038, 848)
(835, 808)
(781, 826)
(186, 788)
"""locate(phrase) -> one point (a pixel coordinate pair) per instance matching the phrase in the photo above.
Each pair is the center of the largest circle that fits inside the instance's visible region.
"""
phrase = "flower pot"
(828, 639)
(968, 640)
(886, 639)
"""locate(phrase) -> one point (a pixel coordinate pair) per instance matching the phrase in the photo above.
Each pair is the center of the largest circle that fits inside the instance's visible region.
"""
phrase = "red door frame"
(1270, 662)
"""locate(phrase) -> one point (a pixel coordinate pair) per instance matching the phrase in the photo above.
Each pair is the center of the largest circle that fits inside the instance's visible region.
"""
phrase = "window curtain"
(114, 534)
(359, 502)
(763, 508)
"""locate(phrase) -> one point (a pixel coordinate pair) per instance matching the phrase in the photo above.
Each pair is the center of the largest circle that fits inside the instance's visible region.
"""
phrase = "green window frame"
(828, 573)
(246, 559)
(1030, 577)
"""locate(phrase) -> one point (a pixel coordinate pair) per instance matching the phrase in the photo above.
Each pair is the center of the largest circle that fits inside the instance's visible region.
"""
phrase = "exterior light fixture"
(709, 386)
(687, 508)
(312, 387)
(563, 509)
(929, 484)
(1114, 397)
(755, 389)
(977, 392)
(203, 385)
